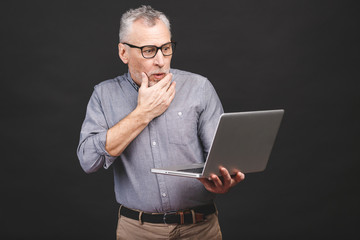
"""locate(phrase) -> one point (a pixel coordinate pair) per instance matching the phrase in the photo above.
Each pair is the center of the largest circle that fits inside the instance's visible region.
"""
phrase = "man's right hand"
(154, 100)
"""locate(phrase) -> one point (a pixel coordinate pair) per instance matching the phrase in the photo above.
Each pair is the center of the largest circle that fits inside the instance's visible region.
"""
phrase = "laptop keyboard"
(193, 170)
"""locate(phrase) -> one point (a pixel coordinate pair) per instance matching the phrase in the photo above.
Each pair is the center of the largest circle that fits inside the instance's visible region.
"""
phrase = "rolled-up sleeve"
(209, 117)
(91, 150)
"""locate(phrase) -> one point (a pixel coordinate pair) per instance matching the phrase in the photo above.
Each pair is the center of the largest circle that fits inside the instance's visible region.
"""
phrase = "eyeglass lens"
(150, 51)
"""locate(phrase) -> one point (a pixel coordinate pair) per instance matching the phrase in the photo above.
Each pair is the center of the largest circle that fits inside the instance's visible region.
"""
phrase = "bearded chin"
(138, 76)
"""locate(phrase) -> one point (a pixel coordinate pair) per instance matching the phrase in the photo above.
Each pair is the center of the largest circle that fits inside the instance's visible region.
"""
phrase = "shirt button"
(154, 143)
(163, 194)
(180, 114)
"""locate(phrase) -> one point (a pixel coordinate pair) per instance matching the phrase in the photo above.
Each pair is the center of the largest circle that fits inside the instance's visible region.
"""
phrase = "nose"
(159, 59)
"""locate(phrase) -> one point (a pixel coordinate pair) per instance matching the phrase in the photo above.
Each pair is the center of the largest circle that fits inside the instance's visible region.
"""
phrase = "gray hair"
(147, 13)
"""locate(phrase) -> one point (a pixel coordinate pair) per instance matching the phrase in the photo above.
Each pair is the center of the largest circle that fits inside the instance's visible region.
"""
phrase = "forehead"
(142, 34)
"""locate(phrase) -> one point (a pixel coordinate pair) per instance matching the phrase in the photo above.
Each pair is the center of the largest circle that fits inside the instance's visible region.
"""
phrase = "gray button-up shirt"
(181, 135)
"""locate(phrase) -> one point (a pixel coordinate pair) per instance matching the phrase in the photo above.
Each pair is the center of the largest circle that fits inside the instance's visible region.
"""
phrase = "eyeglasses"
(150, 51)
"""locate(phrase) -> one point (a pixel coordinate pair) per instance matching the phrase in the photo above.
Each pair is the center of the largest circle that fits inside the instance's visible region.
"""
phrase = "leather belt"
(188, 216)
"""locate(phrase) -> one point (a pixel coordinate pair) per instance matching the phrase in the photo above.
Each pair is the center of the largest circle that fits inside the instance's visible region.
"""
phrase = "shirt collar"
(131, 81)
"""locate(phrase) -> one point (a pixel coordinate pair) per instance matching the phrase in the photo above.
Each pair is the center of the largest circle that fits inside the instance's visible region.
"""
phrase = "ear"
(123, 53)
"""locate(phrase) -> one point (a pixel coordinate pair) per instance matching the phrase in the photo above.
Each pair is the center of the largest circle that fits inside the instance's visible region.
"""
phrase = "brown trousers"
(132, 229)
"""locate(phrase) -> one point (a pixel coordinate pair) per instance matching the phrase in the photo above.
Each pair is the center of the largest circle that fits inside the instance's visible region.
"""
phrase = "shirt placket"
(155, 147)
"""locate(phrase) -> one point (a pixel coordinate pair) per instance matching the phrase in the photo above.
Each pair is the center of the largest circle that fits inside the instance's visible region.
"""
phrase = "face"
(141, 35)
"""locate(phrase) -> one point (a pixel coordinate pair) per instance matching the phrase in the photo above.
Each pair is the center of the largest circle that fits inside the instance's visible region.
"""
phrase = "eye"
(167, 48)
(148, 50)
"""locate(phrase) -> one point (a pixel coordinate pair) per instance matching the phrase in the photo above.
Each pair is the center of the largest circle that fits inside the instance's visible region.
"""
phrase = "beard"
(161, 70)
(151, 77)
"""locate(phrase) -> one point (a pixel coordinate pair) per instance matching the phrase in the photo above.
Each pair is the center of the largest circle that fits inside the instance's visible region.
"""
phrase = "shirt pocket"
(181, 126)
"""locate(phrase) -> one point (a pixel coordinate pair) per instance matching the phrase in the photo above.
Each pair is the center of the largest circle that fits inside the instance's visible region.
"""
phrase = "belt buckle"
(167, 213)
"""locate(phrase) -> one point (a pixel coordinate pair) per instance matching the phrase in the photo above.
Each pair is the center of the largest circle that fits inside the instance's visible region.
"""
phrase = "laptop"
(242, 142)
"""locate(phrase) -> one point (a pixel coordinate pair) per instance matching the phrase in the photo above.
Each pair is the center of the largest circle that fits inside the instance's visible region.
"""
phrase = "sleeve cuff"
(100, 141)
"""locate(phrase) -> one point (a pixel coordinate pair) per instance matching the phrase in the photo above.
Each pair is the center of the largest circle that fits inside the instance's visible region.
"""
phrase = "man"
(154, 116)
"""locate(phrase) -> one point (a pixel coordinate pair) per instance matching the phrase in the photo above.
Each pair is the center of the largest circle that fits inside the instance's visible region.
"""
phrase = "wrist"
(142, 115)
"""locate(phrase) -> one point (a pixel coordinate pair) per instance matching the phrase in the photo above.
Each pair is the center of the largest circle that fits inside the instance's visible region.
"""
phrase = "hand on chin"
(153, 82)
(154, 79)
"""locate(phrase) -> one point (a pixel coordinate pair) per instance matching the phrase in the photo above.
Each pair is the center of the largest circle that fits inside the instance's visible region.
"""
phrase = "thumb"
(145, 80)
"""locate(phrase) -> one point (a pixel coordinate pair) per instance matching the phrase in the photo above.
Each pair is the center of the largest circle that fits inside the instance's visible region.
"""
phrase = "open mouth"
(159, 76)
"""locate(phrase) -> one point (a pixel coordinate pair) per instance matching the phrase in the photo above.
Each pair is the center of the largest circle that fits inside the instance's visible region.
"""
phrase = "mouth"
(158, 76)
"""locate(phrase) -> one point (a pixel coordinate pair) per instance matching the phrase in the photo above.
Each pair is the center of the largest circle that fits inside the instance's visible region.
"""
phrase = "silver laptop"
(243, 142)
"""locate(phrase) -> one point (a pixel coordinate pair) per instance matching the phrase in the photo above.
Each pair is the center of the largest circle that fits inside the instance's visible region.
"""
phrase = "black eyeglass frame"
(157, 48)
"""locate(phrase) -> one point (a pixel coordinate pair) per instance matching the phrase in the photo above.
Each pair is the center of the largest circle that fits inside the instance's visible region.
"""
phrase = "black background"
(302, 56)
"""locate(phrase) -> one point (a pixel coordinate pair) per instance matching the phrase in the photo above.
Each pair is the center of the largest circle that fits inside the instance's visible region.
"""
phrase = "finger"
(171, 90)
(144, 80)
(216, 180)
(239, 177)
(227, 178)
(165, 82)
(172, 86)
(171, 97)
(170, 81)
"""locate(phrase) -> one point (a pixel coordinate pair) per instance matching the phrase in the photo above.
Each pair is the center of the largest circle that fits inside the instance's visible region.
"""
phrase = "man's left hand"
(216, 185)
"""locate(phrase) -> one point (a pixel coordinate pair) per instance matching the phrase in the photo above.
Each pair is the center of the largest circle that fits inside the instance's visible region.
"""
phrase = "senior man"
(154, 116)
